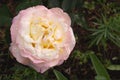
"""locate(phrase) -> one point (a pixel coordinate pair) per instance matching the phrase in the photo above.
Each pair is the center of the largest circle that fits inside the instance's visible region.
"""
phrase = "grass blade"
(59, 75)
(99, 68)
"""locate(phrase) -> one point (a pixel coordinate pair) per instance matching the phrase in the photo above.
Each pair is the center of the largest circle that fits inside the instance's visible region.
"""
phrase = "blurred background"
(96, 56)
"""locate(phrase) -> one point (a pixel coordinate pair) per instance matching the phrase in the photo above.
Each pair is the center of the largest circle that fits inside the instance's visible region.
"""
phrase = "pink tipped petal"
(39, 67)
(33, 58)
(14, 28)
(16, 53)
(70, 41)
(61, 15)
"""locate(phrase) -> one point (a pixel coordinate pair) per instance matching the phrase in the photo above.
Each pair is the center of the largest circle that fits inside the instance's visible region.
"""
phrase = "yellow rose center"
(48, 33)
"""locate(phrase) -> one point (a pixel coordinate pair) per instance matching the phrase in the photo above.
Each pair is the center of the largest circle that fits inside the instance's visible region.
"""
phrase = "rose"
(41, 37)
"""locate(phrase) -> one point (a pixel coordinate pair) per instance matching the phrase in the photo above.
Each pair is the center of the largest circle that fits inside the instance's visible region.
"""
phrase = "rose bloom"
(41, 38)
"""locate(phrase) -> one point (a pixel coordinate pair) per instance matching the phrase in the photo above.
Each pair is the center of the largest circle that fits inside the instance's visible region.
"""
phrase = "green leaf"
(7, 36)
(33, 75)
(4, 20)
(80, 20)
(53, 3)
(98, 66)
(4, 11)
(59, 75)
(98, 77)
(22, 6)
(114, 67)
(89, 5)
(27, 4)
(5, 16)
(68, 5)
(79, 4)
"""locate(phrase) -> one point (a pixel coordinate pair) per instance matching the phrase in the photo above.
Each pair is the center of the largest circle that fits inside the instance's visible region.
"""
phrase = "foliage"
(82, 57)
(59, 75)
(96, 24)
(5, 16)
(108, 30)
(27, 3)
(114, 67)
(99, 68)
(23, 73)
